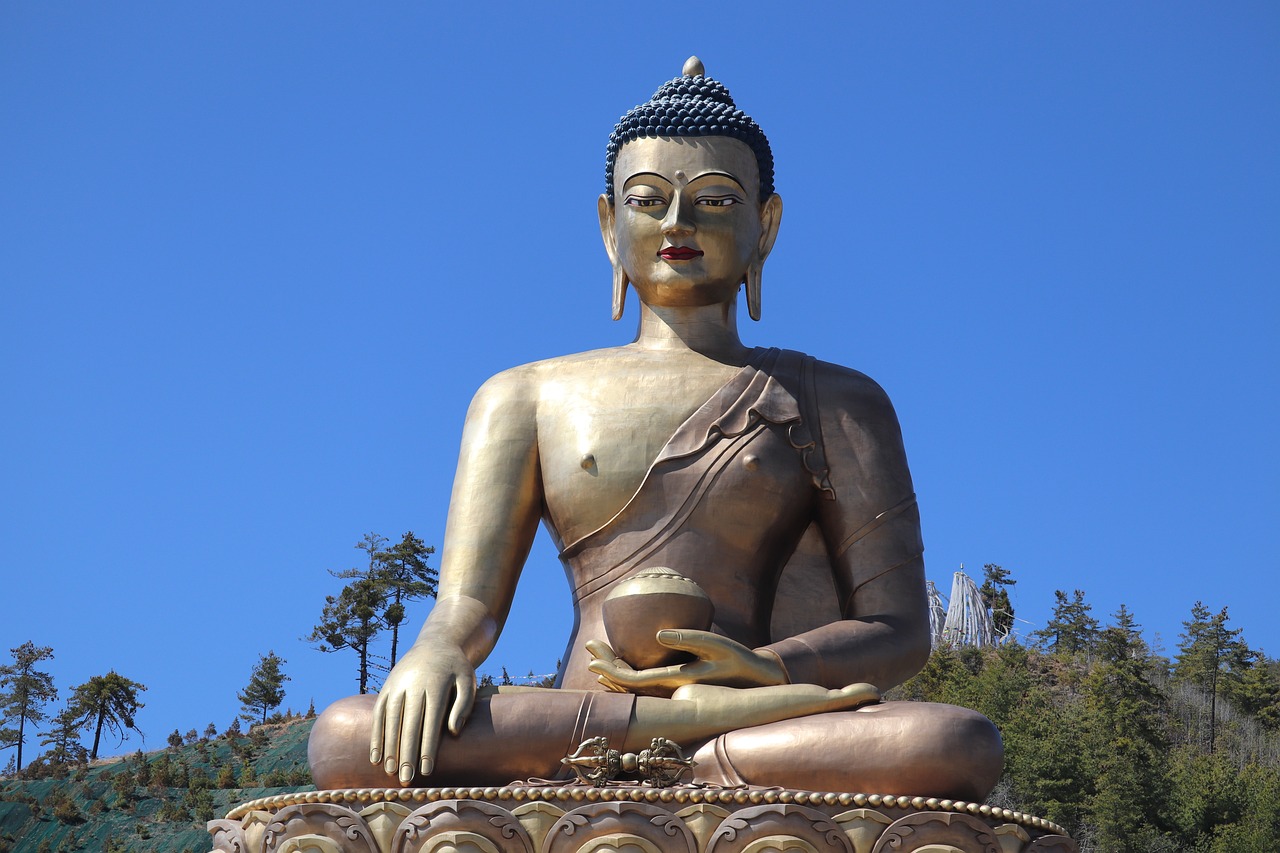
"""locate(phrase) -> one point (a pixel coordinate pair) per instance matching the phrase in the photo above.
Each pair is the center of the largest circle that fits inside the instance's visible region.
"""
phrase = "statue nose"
(678, 219)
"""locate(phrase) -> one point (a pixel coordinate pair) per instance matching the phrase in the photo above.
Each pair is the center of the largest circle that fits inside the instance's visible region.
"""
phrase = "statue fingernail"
(669, 636)
(389, 766)
(406, 774)
(375, 756)
(426, 767)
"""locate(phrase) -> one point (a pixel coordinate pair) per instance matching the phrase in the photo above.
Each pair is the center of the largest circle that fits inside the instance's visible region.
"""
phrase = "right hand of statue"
(430, 680)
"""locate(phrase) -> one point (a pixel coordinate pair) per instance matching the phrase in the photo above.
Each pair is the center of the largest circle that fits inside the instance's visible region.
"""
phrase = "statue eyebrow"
(644, 175)
(719, 175)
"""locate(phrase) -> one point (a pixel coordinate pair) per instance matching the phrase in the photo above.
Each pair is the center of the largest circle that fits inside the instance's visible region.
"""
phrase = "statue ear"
(770, 221)
(610, 238)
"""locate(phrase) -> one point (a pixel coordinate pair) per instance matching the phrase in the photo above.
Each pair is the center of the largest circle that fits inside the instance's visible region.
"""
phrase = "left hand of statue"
(720, 660)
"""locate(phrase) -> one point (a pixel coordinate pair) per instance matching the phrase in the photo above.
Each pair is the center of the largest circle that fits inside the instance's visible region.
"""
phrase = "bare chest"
(599, 432)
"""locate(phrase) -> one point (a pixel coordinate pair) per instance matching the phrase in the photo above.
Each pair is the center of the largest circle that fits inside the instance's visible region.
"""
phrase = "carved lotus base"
(631, 819)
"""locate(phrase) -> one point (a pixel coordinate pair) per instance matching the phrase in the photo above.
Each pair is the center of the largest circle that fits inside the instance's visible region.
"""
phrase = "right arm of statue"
(493, 517)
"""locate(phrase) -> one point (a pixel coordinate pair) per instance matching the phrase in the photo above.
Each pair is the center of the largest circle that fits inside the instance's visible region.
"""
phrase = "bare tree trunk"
(364, 667)
(395, 634)
(97, 734)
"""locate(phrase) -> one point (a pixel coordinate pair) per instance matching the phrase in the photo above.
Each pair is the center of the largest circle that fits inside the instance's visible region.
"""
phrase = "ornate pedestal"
(634, 819)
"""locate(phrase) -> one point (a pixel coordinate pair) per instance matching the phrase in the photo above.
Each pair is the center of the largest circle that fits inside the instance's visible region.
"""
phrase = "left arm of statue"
(872, 532)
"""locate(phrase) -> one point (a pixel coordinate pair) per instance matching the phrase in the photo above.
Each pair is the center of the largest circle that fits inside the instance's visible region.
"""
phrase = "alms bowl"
(652, 600)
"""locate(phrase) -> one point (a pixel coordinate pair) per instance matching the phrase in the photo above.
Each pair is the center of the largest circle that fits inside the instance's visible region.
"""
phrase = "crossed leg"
(801, 739)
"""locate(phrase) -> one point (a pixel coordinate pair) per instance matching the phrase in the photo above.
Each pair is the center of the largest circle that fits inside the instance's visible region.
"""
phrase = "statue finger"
(410, 735)
(463, 701)
(601, 650)
(662, 676)
(860, 694)
(375, 737)
(432, 720)
(604, 668)
(611, 686)
(703, 644)
(609, 666)
(391, 732)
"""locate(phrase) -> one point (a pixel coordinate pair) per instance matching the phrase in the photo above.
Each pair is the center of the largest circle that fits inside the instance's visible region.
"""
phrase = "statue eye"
(644, 200)
(718, 201)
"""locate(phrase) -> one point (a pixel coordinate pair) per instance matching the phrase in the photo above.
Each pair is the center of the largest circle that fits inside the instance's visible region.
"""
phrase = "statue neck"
(709, 330)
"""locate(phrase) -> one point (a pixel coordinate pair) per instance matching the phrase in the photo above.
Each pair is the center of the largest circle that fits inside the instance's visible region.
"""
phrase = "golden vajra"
(661, 765)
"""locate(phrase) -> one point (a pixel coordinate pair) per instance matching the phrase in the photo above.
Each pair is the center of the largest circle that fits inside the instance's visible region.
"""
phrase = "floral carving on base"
(624, 819)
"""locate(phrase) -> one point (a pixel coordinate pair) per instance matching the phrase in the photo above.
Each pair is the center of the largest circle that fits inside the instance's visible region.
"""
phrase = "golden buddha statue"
(776, 483)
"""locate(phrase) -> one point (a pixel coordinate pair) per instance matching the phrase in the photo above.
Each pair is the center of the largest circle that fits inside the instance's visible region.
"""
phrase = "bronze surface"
(775, 482)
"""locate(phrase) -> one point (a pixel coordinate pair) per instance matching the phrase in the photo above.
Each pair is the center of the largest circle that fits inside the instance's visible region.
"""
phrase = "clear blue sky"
(255, 258)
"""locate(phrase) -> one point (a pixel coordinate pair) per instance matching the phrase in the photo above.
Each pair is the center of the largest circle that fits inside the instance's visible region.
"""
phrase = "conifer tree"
(406, 577)
(1212, 657)
(24, 691)
(63, 740)
(142, 768)
(1071, 630)
(994, 591)
(107, 702)
(353, 618)
(1259, 691)
(226, 777)
(1126, 739)
(265, 691)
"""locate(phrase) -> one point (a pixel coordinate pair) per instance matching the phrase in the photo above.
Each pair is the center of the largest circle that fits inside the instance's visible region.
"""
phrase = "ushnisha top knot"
(691, 105)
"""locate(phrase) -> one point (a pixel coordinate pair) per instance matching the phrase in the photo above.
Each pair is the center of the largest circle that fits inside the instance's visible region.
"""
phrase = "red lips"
(679, 253)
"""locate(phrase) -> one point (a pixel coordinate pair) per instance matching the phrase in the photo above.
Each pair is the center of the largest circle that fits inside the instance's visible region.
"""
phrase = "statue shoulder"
(525, 384)
(844, 391)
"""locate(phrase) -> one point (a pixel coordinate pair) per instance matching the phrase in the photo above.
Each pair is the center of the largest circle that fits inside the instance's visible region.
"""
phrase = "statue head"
(689, 213)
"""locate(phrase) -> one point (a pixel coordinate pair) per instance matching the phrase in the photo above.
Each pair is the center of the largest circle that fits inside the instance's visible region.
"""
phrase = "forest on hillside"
(1129, 749)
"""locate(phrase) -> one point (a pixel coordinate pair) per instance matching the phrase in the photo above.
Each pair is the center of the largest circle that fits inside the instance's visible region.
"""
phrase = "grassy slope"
(25, 822)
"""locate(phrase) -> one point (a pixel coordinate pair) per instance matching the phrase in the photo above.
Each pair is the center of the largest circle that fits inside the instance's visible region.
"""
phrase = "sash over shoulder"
(775, 388)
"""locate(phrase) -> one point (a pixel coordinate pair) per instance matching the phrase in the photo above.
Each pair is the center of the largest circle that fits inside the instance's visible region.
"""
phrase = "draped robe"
(730, 503)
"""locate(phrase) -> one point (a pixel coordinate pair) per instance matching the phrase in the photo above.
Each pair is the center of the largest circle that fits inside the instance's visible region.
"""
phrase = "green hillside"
(157, 801)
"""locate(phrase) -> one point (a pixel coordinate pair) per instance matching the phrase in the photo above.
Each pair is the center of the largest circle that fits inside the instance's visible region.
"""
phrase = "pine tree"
(1125, 739)
(63, 740)
(995, 580)
(353, 618)
(24, 691)
(123, 784)
(142, 768)
(226, 777)
(265, 691)
(1212, 657)
(1071, 630)
(1259, 691)
(107, 702)
(406, 577)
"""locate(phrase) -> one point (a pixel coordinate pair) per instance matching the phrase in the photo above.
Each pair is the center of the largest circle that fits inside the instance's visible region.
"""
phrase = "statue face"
(686, 220)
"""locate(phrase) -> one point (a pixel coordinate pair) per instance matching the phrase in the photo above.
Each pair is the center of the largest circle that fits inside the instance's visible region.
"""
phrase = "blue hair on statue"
(690, 106)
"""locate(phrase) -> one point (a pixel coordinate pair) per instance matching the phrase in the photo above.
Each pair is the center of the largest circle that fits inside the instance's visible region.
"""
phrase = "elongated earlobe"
(754, 274)
(620, 283)
(770, 220)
